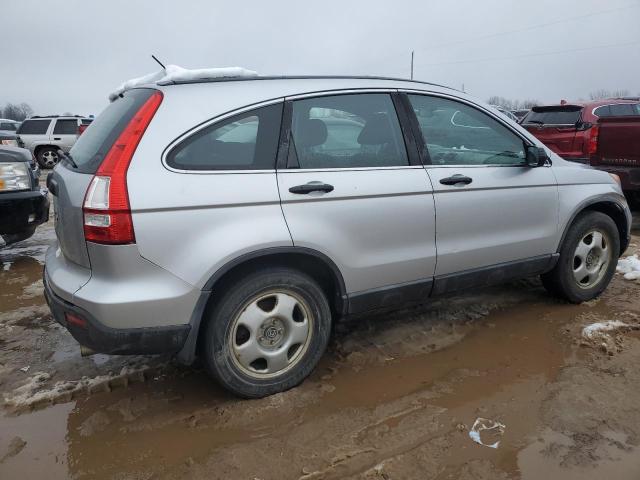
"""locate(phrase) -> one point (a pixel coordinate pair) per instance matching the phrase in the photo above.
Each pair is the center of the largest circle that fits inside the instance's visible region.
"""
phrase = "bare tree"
(16, 111)
(512, 104)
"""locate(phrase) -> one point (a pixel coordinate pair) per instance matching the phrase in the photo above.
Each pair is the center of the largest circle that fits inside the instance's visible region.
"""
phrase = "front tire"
(588, 259)
(267, 332)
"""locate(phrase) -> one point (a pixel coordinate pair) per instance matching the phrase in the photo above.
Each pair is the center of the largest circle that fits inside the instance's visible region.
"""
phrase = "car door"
(494, 214)
(65, 133)
(351, 190)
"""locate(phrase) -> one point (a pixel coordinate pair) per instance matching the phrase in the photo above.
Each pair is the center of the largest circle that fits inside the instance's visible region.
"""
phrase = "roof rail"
(298, 77)
(57, 116)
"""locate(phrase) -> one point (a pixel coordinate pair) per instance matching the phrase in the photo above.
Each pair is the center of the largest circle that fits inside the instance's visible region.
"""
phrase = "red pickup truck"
(615, 147)
(567, 129)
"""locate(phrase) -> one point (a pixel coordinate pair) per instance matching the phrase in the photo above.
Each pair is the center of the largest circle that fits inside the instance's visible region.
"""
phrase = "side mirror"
(536, 157)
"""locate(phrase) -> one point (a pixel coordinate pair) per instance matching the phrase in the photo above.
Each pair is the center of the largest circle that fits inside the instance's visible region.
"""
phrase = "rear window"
(8, 126)
(65, 127)
(553, 116)
(34, 127)
(92, 146)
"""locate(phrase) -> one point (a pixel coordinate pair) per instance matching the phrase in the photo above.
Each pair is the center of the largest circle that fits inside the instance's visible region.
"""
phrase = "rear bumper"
(22, 212)
(91, 333)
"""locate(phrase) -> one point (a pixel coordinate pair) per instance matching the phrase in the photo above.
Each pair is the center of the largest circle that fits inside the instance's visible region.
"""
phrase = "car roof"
(249, 90)
(9, 120)
(593, 103)
(65, 117)
(301, 78)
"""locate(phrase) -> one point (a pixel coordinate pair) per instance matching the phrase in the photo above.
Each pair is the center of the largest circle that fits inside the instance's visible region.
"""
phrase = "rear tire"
(267, 332)
(588, 259)
(48, 157)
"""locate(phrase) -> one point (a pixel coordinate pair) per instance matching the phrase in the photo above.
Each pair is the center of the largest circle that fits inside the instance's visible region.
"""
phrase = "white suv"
(237, 219)
(43, 136)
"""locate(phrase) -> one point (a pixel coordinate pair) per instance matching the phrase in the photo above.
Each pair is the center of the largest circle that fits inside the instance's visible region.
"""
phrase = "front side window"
(248, 141)
(65, 127)
(346, 131)
(34, 127)
(457, 134)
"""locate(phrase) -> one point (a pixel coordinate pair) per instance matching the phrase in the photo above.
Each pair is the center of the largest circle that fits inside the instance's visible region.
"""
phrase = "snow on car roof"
(174, 73)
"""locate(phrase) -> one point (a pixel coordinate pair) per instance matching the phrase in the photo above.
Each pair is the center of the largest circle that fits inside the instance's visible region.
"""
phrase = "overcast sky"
(68, 55)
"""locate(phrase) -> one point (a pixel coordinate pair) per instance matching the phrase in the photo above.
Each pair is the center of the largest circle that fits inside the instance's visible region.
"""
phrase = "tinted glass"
(8, 126)
(86, 121)
(65, 127)
(91, 147)
(248, 141)
(602, 111)
(457, 134)
(346, 131)
(34, 127)
(622, 110)
(552, 117)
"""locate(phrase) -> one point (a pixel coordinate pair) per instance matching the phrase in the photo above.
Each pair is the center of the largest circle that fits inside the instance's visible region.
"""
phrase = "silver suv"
(44, 136)
(238, 219)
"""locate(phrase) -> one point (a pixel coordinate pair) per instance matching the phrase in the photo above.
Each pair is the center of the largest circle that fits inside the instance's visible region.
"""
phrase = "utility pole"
(411, 64)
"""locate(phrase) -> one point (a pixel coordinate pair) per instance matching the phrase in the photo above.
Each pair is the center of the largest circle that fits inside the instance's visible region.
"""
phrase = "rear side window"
(248, 141)
(602, 111)
(34, 127)
(553, 116)
(346, 131)
(65, 127)
(92, 146)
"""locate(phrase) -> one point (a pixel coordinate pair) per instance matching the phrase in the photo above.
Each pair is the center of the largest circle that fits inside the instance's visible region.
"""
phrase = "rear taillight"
(107, 213)
(592, 148)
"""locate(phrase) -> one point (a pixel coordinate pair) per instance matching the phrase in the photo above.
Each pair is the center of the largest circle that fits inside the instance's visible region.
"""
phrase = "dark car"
(23, 204)
(567, 128)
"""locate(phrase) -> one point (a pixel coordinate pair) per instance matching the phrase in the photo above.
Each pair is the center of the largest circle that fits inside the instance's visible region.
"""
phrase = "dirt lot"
(395, 397)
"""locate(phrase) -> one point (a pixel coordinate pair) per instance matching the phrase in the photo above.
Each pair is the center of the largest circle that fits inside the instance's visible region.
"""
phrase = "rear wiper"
(68, 158)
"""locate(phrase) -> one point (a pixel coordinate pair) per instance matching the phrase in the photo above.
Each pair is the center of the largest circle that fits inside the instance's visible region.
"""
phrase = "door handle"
(57, 138)
(311, 187)
(456, 179)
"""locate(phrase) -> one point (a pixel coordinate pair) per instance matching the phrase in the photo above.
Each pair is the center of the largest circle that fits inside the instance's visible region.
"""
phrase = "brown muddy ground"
(394, 397)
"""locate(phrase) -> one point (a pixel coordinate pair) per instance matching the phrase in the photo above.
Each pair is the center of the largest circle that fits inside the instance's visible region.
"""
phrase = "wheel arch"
(610, 206)
(315, 264)
(42, 146)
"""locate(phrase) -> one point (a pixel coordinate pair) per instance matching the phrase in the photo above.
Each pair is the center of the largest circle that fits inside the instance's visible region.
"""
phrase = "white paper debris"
(175, 73)
(630, 267)
(492, 428)
(25, 369)
(596, 328)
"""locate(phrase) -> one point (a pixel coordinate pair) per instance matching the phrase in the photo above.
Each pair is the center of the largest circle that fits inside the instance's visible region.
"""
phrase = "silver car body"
(380, 228)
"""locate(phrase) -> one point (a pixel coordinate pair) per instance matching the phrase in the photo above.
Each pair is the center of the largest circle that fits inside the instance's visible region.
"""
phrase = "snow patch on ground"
(174, 73)
(34, 392)
(630, 267)
(590, 331)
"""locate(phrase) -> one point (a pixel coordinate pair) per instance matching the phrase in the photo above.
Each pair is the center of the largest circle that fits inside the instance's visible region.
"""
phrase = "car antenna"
(159, 62)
